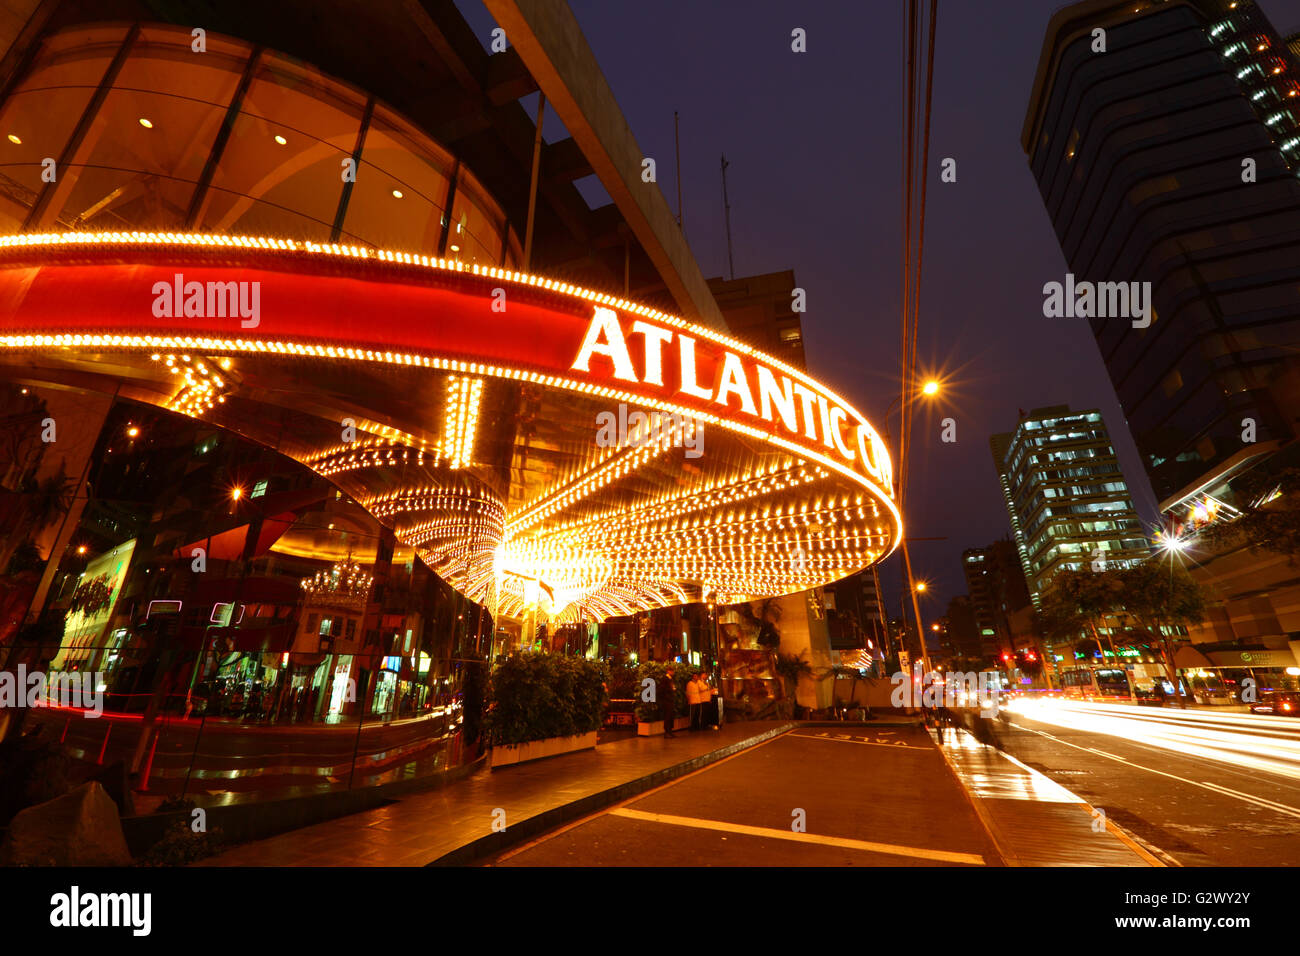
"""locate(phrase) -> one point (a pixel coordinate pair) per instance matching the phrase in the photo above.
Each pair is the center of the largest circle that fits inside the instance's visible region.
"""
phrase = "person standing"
(668, 701)
(693, 700)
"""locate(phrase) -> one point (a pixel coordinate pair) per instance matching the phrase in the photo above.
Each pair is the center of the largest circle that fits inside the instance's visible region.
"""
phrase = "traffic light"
(1006, 657)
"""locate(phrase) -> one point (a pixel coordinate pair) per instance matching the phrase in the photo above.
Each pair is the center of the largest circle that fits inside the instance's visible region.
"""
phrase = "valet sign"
(705, 375)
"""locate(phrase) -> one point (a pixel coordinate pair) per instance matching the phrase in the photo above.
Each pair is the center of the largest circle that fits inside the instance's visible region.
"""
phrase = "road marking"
(1267, 804)
(552, 834)
(1104, 754)
(917, 853)
(1245, 797)
(895, 744)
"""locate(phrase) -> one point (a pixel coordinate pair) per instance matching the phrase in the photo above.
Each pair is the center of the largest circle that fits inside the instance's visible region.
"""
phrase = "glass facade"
(1065, 493)
(1140, 158)
(241, 604)
(125, 128)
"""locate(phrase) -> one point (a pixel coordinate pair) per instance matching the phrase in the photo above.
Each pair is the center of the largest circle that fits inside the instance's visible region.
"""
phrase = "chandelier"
(346, 584)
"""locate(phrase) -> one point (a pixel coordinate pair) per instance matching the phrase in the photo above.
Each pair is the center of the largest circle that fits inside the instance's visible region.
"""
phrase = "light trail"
(1258, 742)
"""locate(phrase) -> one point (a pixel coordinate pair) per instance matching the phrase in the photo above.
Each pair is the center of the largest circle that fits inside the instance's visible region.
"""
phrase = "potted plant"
(649, 713)
(541, 705)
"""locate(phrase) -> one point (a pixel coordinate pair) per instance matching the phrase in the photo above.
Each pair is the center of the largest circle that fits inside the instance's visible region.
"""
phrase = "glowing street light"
(236, 493)
(930, 388)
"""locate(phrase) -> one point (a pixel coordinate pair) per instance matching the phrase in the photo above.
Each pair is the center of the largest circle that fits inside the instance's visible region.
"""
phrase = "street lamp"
(929, 389)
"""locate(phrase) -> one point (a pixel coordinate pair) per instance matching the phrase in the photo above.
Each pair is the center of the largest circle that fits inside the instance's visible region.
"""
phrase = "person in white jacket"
(695, 691)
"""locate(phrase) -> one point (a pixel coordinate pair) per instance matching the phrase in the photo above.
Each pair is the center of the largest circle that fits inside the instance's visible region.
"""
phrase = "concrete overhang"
(552, 46)
(1224, 470)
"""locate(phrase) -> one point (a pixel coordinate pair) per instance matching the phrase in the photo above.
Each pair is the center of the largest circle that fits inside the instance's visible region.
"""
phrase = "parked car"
(1278, 703)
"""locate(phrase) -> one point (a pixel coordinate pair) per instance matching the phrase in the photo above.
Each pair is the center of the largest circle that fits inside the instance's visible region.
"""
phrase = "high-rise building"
(973, 561)
(760, 310)
(962, 632)
(1172, 159)
(1066, 496)
(1170, 162)
(996, 584)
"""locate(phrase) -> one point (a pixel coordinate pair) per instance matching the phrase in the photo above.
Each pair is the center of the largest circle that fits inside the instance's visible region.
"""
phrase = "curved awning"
(516, 431)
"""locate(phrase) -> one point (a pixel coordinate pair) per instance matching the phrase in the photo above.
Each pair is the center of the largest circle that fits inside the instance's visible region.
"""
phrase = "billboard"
(92, 604)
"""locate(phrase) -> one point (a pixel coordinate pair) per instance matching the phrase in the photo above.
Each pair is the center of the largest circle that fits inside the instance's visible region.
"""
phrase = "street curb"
(536, 825)
(858, 723)
(1006, 858)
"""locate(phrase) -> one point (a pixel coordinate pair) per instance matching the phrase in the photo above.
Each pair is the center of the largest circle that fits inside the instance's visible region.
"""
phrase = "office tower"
(1172, 159)
(1066, 496)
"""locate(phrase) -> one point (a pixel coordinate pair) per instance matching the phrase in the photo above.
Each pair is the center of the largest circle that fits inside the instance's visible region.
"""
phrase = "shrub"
(537, 696)
(656, 671)
(180, 845)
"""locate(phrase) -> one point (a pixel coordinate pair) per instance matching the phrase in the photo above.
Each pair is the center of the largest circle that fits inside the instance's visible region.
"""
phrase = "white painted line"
(1247, 798)
(917, 853)
(868, 743)
(1250, 797)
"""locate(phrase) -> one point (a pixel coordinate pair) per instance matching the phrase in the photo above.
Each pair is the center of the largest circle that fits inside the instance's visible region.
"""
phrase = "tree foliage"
(539, 696)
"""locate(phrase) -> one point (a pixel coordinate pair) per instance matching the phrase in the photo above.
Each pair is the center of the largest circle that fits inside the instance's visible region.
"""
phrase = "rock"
(80, 828)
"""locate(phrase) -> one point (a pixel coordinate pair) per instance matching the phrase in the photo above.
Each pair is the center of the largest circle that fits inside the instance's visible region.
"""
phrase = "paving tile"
(420, 828)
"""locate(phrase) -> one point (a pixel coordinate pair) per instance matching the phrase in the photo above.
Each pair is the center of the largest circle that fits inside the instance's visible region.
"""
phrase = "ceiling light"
(146, 123)
(15, 140)
(280, 139)
(397, 194)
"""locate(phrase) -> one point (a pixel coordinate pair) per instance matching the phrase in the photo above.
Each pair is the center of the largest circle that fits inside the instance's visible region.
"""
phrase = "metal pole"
(726, 209)
(532, 185)
(677, 145)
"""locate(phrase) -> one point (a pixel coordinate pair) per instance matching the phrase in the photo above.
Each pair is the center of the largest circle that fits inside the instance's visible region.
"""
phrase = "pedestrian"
(694, 696)
(668, 701)
(940, 720)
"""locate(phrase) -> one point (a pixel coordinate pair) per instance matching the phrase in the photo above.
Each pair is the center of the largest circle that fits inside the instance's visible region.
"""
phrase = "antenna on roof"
(726, 210)
(677, 146)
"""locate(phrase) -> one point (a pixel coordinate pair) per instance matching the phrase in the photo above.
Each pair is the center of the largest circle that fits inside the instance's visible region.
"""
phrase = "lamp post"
(905, 400)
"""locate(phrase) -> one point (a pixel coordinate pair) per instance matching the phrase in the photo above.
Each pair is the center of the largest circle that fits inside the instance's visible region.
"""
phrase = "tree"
(1161, 599)
(790, 668)
(1078, 602)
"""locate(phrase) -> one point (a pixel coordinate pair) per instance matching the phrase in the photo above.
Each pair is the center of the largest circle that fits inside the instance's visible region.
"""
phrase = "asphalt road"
(876, 796)
(1204, 795)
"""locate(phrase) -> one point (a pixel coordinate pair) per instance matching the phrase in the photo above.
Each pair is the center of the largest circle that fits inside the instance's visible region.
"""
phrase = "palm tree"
(791, 668)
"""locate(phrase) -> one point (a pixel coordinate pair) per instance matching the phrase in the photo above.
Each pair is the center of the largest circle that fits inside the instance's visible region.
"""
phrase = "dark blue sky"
(814, 144)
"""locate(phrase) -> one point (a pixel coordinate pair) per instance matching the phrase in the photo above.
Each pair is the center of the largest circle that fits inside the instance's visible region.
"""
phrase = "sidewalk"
(454, 825)
(1033, 820)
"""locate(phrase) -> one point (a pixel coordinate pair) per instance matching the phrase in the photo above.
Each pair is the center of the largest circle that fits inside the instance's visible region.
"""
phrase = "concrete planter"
(656, 727)
(507, 754)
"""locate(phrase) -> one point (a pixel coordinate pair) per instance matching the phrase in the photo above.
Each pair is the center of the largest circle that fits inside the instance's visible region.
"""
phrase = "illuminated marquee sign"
(701, 373)
(351, 303)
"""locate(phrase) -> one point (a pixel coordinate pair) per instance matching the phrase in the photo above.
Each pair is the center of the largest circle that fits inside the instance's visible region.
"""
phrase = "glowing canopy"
(544, 443)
